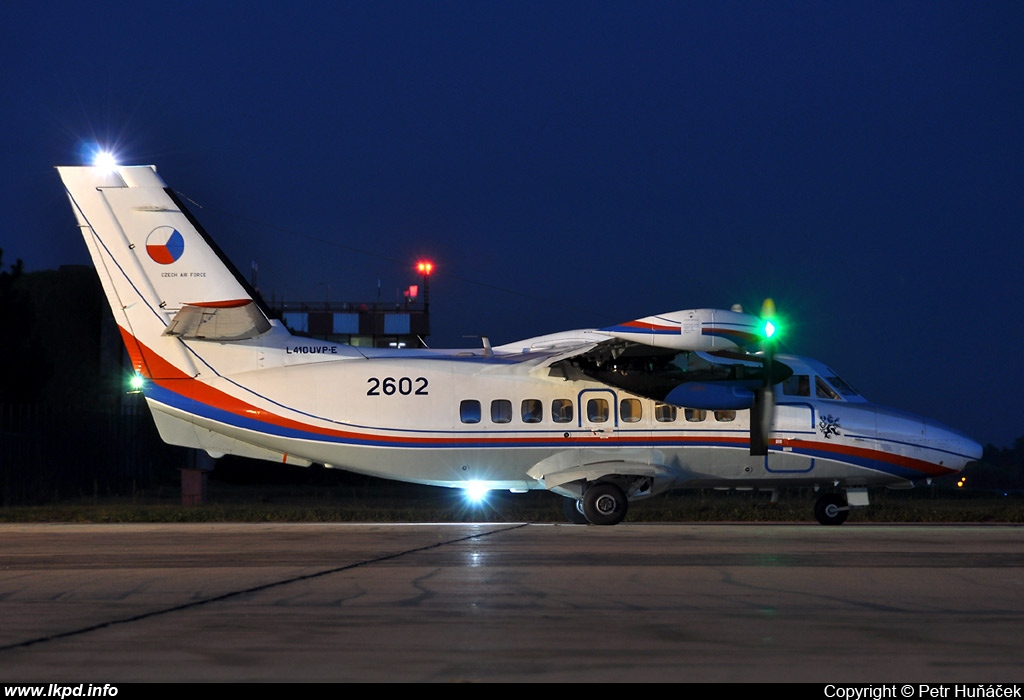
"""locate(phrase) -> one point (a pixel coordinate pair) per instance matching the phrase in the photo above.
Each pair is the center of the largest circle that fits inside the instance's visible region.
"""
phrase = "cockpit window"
(843, 388)
(823, 382)
(824, 391)
(797, 385)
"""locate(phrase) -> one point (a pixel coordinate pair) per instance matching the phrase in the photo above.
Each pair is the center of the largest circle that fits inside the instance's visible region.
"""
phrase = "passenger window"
(630, 410)
(469, 411)
(664, 413)
(695, 415)
(533, 411)
(561, 411)
(597, 410)
(797, 385)
(725, 416)
(501, 411)
(823, 390)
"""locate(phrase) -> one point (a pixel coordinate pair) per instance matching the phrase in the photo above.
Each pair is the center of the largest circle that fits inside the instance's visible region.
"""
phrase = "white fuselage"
(451, 418)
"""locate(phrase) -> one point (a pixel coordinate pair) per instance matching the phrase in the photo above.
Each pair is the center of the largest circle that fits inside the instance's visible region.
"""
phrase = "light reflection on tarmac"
(511, 602)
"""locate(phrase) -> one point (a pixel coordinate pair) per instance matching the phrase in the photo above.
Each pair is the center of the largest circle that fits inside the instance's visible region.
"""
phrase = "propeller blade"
(763, 411)
(761, 415)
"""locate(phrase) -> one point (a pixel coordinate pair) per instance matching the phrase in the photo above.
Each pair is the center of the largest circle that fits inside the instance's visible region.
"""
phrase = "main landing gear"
(573, 510)
(603, 503)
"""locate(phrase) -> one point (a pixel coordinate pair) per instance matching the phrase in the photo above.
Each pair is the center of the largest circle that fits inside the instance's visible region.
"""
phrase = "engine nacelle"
(717, 396)
(696, 330)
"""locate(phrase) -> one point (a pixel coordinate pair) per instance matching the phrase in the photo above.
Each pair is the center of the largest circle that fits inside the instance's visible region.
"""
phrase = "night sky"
(573, 164)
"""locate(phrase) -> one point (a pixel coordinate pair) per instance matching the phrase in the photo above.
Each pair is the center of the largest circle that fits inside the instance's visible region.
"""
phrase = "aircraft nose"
(960, 448)
(973, 450)
(938, 444)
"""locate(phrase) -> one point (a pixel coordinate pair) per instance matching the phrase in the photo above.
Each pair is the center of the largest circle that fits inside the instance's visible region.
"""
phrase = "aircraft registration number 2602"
(403, 386)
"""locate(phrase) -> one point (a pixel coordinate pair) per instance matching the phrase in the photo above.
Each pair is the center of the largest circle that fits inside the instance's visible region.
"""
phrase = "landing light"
(476, 491)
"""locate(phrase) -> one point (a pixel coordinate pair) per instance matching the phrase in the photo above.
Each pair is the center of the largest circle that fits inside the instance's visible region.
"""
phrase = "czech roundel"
(165, 245)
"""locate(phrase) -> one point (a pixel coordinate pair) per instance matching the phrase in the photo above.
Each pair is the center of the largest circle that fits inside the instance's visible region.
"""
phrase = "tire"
(573, 511)
(831, 509)
(605, 504)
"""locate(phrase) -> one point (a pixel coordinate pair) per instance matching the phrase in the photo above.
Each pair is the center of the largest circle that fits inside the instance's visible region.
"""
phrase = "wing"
(698, 358)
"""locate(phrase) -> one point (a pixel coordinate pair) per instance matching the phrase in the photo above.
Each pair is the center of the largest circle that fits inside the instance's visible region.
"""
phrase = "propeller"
(763, 410)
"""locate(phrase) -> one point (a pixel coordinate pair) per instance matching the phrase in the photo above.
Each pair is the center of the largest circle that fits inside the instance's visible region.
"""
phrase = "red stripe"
(230, 304)
(648, 326)
(164, 374)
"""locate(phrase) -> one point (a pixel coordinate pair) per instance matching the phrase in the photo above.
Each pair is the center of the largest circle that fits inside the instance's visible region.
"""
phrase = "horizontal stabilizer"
(220, 321)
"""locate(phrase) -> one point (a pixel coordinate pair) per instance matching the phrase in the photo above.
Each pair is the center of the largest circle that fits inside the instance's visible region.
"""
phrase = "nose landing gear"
(831, 509)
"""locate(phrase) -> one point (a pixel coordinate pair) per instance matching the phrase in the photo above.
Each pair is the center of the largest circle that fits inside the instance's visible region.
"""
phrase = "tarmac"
(499, 602)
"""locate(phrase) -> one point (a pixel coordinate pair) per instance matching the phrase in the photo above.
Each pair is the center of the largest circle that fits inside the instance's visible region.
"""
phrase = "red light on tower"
(425, 268)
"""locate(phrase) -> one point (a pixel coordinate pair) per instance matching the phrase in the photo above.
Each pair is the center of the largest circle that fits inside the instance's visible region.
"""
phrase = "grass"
(370, 500)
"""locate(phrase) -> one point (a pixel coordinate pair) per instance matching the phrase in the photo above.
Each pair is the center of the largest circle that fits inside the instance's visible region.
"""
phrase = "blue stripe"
(550, 438)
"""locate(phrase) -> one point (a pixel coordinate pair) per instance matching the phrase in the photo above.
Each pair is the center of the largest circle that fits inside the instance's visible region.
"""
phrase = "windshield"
(841, 386)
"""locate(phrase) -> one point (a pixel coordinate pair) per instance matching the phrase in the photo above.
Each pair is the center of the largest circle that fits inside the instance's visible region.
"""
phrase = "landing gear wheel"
(573, 510)
(831, 509)
(604, 504)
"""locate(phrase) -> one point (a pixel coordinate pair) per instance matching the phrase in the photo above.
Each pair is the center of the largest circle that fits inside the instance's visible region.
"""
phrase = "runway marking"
(253, 589)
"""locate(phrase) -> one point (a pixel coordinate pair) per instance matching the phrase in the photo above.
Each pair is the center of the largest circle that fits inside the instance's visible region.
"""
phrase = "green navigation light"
(136, 383)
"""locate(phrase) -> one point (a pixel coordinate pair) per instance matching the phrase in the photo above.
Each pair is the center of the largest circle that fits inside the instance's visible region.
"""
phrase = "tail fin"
(163, 277)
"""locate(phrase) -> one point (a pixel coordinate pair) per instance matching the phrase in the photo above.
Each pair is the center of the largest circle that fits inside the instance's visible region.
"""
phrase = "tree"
(1000, 469)
(23, 366)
